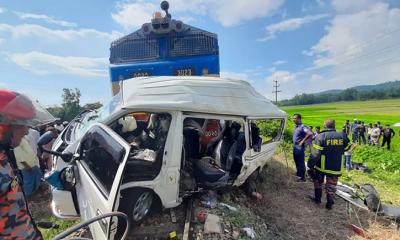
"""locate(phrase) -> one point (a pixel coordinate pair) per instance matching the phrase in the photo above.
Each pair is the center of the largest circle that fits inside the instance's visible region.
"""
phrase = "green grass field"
(385, 111)
(384, 165)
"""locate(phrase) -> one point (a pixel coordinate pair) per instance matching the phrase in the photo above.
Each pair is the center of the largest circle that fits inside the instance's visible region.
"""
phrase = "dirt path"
(287, 211)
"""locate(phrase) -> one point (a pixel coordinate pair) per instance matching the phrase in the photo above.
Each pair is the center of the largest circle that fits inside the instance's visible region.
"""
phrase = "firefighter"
(17, 113)
(326, 161)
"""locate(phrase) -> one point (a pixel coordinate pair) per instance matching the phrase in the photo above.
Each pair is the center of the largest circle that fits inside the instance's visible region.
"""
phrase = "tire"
(137, 204)
(250, 185)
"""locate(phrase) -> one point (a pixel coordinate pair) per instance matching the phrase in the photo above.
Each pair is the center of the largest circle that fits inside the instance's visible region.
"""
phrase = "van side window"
(264, 131)
(101, 157)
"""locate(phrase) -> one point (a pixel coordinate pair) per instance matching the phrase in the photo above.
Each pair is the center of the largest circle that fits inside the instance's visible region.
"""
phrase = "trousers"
(330, 185)
(386, 140)
(298, 156)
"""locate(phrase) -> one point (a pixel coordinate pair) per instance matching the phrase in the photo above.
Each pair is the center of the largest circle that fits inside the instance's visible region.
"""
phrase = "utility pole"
(276, 85)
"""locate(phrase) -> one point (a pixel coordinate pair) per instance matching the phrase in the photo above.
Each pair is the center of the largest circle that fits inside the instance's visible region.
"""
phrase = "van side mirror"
(65, 156)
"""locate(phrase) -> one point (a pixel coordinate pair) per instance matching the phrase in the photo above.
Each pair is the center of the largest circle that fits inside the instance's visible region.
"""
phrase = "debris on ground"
(257, 195)
(368, 199)
(283, 212)
(227, 206)
(249, 232)
(359, 231)
(212, 224)
(201, 216)
(209, 200)
(173, 215)
(360, 167)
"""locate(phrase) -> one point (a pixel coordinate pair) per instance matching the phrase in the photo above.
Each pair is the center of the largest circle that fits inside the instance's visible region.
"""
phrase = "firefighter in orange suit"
(17, 113)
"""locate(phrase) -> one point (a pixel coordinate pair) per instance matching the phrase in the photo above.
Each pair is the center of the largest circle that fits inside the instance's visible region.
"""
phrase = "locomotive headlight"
(146, 28)
(177, 25)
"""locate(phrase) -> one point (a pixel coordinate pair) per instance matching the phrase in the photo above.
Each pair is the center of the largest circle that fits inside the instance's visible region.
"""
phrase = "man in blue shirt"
(45, 142)
(300, 135)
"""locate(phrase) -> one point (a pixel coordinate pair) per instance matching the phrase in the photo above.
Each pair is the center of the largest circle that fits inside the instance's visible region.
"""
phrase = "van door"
(102, 158)
(264, 138)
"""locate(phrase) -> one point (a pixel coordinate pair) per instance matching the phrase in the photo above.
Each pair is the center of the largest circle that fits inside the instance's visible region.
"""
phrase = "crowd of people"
(369, 134)
(30, 155)
(329, 148)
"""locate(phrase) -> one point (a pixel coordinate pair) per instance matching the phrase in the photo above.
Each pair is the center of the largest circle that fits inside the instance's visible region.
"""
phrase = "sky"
(306, 45)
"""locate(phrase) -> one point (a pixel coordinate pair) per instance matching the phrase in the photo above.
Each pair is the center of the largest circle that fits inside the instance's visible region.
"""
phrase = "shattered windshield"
(98, 115)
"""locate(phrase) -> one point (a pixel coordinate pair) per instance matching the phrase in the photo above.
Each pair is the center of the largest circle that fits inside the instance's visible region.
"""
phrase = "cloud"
(307, 53)
(45, 18)
(345, 6)
(280, 62)
(2, 10)
(289, 25)
(30, 30)
(132, 14)
(68, 42)
(281, 77)
(44, 64)
(233, 12)
(360, 47)
(316, 78)
(359, 37)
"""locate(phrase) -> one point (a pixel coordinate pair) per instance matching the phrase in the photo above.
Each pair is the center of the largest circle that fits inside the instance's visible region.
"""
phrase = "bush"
(383, 164)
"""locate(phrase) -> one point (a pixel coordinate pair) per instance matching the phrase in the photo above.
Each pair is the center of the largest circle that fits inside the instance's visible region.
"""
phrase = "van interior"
(146, 133)
(212, 153)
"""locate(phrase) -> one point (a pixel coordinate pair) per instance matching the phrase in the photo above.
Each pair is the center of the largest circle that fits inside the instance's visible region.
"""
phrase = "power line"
(276, 85)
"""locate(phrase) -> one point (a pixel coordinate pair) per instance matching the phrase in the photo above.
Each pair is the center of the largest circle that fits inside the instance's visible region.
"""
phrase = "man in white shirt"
(33, 138)
(375, 134)
(28, 163)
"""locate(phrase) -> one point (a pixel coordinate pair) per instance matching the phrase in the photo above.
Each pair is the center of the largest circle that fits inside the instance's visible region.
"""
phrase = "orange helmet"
(18, 109)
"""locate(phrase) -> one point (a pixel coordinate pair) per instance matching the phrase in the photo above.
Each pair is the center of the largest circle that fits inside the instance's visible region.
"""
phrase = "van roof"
(197, 94)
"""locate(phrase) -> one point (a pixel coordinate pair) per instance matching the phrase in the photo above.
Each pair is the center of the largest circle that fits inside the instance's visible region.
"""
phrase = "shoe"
(299, 179)
(314, 200)
(329, 203)
(329, 206)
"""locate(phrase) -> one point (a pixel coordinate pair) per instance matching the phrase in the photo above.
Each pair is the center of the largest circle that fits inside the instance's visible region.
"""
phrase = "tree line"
(350, 94)
(71, 106)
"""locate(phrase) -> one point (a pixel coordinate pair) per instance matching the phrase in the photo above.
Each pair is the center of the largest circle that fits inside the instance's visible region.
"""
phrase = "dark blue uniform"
(299, 133)
(326, 160)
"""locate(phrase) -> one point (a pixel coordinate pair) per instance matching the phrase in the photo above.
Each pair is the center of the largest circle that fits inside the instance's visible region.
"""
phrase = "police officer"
(17, 112)
(326, 161)
(301, 134)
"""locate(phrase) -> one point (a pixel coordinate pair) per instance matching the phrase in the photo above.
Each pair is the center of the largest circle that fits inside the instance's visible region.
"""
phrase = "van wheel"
(138, 204)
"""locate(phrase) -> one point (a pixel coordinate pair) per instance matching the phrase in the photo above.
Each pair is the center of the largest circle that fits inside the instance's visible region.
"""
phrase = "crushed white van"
(159, 140)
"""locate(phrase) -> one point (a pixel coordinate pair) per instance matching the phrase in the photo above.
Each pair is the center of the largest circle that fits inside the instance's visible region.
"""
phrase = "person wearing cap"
(387, 133)
(17, 113)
